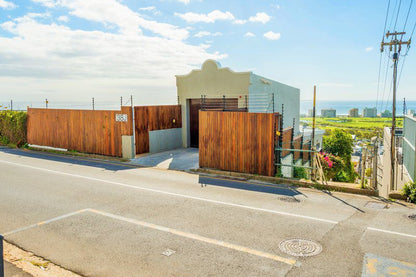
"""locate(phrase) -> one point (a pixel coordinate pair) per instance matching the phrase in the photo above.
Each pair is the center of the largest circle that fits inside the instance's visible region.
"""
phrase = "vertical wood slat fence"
(87, 131)
(238, 141)
(151, 118)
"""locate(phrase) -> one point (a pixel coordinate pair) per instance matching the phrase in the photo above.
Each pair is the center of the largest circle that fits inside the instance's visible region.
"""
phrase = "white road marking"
(198, 238)
(391, 232)
(177, 194)
(44, 222)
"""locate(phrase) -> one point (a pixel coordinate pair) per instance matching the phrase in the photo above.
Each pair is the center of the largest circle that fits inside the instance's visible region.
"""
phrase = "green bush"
(409, 190)
(13, 127)
(300, 173)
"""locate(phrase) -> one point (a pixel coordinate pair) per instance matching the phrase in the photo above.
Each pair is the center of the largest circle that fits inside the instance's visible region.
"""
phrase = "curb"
(295, 182)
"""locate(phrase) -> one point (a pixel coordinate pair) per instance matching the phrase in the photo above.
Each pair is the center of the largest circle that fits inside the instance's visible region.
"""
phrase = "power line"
(397, 16)
(394, 10)
(407, 17)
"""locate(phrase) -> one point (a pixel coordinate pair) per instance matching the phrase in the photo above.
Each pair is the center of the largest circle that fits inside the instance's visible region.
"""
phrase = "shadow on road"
(235, 184)
(85, 161)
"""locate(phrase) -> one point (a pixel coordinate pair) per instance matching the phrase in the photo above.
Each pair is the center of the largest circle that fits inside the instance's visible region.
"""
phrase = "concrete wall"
(409, 146)
(210, 80)
(287, 171)
(163, 140)
(262, 88)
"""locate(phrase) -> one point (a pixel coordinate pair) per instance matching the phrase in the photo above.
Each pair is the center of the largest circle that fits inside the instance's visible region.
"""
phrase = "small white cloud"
(369, 49)
(240, 21)
(211, 17)
(151, 8)
(272, 35)
(249, 34)
(275, 6)
(46, 3)
(184, 1)
(205, 34)
(7, 5)
(63, 18)
(260, 17)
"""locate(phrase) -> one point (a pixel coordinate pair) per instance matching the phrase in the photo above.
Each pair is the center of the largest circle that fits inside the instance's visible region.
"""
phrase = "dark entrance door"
(212, 104)
(194, 107)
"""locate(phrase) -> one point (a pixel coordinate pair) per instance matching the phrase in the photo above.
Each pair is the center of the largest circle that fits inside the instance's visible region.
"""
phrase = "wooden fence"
(151, 118)
(86, 131)
(238, 141)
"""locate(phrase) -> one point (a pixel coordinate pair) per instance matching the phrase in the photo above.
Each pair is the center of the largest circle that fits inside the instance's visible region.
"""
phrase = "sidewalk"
(10, 270)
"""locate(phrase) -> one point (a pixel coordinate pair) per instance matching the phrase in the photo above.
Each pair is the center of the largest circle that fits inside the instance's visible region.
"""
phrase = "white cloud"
(249, 34)
(7, 5)
(46, 3)
(211, 17)
(114, 13)
(260, 17)
(63, 18)
(240, 21)
(272, 35)
(369, 49)
(184, 1)
(205, 34)
(150, 8)
(57, 52)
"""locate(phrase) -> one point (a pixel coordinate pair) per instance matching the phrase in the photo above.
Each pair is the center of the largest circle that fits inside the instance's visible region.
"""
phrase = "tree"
(340, 144)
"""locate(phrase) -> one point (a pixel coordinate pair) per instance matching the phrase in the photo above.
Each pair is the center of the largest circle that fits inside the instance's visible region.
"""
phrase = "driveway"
(179, 159)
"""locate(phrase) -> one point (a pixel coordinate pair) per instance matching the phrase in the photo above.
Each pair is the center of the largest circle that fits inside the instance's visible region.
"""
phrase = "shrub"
(13, 127)
(300, 173)
(331, 165)
(409, 190)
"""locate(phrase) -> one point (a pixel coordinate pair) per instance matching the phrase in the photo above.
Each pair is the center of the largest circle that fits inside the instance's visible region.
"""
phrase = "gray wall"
(163, 140)
(262, 88)
(409, 145)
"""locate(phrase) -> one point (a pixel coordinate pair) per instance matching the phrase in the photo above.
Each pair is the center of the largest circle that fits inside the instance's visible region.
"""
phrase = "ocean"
(341, 107)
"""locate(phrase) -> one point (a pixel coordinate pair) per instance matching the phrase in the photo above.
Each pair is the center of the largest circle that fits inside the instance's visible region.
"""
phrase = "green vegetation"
(13, 128)
(360, 126)
(300, 173)
(340, 144)
(409, 190)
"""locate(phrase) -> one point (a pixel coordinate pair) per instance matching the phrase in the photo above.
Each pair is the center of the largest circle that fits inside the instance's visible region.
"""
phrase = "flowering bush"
(331, 164)
(13, 127)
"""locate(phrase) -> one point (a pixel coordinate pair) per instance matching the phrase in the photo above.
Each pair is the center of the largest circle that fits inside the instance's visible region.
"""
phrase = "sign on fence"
(121, 117)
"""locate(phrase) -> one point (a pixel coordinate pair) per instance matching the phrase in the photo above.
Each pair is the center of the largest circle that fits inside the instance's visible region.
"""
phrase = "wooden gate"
(151, 118)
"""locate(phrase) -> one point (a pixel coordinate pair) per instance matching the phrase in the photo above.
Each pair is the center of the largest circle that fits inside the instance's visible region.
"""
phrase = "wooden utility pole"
(364, 158)
(394, 45)
(313, 135)
(375, 164)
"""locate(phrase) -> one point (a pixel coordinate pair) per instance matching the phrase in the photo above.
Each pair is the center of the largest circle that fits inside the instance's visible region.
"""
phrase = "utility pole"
(93, 104)
(404, 107)
(375, 164)
(313, 135)
(394, 45)
(46, 102)
(363, 161)
(11, 105)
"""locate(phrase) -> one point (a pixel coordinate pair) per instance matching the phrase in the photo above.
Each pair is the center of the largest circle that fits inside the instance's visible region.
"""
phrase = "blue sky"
(71, 50)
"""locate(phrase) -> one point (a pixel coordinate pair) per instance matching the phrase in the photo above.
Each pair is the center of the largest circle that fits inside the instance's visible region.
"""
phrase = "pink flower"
(330, 164)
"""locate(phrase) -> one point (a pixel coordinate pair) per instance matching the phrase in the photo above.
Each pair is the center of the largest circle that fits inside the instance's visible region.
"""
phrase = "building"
(411, 113)
(328, 113)
(219, 87)
(310, 113)
(386, 113)
(409, 146)
(353, 112)
(370, 112)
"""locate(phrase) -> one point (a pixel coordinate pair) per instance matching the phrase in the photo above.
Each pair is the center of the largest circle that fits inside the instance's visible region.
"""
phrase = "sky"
(73, 50)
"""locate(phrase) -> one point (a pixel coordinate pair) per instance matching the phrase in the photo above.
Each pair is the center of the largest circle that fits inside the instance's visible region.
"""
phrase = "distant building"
(386, 113)
(310, 113)
(328, 113)
(411, 113)
(353, 112)
(370, 112)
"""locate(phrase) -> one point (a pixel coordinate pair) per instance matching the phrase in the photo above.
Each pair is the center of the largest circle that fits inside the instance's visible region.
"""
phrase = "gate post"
(1, 258)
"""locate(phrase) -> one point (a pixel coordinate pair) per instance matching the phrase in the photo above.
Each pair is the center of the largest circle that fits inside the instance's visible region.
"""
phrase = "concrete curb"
(295, 182)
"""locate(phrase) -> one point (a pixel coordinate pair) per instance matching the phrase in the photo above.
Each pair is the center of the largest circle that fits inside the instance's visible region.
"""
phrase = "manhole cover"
(289, 199)
(412, 217)
(300, 247)
(168, 252)
(376, 205)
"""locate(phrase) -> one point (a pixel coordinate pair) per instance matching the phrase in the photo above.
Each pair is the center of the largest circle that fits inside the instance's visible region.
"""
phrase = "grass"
(360, 126)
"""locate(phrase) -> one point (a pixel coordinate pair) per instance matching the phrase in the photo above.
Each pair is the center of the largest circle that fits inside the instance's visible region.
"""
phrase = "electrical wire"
(397, 16)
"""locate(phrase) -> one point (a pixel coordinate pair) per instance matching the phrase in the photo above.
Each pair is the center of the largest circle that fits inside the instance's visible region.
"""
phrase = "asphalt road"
(107, 219)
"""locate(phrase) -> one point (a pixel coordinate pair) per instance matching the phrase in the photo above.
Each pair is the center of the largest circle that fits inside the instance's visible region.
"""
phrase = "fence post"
(223, 103)
(1, 258)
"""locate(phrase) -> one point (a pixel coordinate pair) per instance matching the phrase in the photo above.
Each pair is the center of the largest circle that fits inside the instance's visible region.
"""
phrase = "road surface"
(101, 218)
